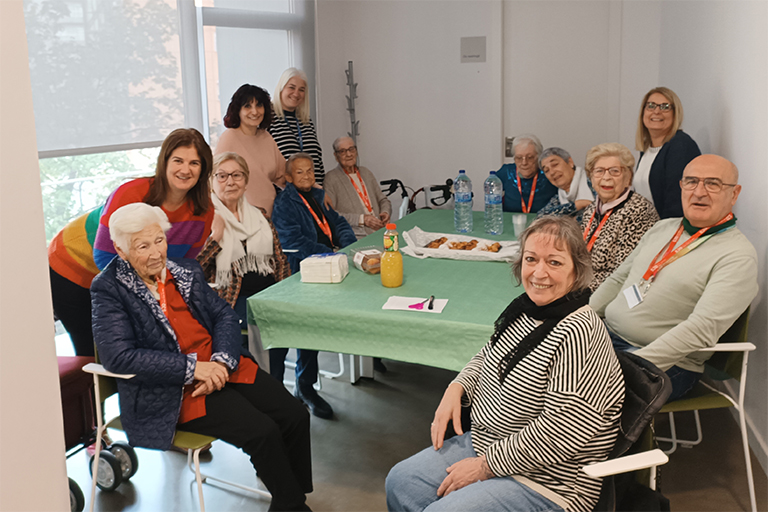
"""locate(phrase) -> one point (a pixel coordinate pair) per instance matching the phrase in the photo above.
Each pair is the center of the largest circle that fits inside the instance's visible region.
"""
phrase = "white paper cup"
(519, 221)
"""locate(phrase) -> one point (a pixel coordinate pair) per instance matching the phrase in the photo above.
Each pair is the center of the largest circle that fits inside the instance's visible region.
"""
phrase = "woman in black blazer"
(665, 150)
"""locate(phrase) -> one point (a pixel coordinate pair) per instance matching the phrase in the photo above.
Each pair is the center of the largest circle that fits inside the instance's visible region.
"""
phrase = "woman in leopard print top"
(614, 223)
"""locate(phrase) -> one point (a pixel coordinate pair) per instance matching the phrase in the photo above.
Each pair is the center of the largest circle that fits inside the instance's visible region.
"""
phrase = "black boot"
(378, 365)
(315, 402)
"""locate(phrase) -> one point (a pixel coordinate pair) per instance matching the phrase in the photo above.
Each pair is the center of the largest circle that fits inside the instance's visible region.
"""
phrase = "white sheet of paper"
(402, 303)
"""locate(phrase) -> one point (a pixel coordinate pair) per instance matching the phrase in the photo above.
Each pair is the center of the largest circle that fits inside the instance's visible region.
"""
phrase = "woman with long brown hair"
(180, 187)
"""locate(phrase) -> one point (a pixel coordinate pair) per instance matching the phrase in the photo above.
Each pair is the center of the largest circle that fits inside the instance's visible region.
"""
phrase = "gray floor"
(378, 423)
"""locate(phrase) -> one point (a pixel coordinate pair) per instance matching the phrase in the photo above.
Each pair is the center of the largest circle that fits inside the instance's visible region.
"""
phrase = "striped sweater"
(556, 411)
(70, 253)
(285, 132)
(185, 238)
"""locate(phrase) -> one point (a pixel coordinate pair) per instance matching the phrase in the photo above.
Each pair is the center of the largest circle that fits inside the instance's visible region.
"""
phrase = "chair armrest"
(730, 347)
(634, 462)
(98, 369)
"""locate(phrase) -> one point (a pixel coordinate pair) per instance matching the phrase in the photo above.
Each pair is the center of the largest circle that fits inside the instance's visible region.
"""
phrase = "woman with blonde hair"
(614, 223)
(664, 149)
(291, 127)
(243, 254)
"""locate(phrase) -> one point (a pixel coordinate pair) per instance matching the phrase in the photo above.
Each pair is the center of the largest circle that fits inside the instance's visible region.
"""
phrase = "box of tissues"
(324, 268)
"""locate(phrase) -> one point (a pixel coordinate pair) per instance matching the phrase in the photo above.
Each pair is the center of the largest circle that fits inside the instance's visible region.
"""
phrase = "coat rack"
(351, 103)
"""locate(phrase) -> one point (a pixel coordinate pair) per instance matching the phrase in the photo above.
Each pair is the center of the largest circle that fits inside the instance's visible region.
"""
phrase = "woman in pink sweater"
(248, 116)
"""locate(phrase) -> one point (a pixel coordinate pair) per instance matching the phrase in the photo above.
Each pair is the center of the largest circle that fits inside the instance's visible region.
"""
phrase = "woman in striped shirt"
(545, 394)
(291, 127)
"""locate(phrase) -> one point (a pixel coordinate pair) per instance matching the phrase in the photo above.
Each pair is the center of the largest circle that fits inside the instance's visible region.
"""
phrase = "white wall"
(561, 72)
(32, 463)
(423, 115)
(716, 59)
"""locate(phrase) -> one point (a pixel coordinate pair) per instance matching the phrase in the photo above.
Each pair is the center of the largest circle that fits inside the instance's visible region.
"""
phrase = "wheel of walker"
(126, 455)
(109, 474)
(76, 498)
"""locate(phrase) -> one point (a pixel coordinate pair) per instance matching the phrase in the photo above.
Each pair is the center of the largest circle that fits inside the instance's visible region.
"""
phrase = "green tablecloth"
(347, 317)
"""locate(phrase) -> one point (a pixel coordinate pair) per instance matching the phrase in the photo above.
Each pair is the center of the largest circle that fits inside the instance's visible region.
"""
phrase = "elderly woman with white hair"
(619, 217)
(574, 189)
(355, 191)
(526, 188)
(158, 319)
(243, 254)
(291, 127)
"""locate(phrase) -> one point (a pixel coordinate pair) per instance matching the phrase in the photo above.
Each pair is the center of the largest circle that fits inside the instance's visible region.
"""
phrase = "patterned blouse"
(621, 233)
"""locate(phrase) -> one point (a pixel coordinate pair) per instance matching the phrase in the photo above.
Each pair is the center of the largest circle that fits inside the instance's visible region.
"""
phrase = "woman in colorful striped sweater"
(79, 251)
(545, 394)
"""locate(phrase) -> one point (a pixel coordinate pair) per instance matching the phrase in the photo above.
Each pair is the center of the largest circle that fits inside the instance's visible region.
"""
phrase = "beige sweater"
(692, 301)
(349, 205)
(265, 163)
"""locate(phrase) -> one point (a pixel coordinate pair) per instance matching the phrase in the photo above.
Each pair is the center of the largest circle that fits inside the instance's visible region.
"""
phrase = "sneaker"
(314, 402)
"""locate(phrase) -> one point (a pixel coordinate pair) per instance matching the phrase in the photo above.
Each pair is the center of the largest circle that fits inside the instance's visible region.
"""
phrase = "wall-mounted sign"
(473, 49)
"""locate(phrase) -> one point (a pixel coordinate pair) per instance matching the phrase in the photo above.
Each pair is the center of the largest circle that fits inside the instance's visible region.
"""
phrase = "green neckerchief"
(691, 230)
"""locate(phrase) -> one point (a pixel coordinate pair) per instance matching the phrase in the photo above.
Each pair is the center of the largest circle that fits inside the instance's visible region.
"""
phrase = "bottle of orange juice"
(391, 260)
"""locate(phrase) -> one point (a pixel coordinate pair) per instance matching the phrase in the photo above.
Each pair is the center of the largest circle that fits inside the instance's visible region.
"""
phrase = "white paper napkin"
(402, 303)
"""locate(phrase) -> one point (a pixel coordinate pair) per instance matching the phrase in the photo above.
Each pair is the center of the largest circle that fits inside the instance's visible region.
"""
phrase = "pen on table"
(431, 302)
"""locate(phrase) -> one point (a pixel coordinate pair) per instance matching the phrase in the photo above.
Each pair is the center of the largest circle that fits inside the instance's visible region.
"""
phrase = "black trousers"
(271, 426)
(72, 305)
(306, 365)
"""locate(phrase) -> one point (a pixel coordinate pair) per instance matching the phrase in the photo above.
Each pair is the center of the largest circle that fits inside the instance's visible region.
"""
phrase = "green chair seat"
(699, 398)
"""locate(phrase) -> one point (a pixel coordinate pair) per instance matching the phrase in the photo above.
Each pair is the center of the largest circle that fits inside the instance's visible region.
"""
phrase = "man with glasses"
(355, 191)
(687, 281)
(526, 188)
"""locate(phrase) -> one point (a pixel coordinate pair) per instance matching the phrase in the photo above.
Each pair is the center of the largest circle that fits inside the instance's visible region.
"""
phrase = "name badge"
(633, 296)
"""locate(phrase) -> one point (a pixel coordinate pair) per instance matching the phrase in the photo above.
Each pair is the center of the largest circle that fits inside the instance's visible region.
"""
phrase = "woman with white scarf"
(243, 254)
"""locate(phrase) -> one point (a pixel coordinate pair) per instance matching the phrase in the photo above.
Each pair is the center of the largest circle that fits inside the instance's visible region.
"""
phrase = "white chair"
(728, 361)
(192, 443)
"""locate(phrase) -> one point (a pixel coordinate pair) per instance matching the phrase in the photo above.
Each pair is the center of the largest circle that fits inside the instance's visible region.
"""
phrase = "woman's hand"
(448, 410)
(217, 228)
(327, 202)
(384, 216)
(463, 473)
(372, 222)
(211, 376)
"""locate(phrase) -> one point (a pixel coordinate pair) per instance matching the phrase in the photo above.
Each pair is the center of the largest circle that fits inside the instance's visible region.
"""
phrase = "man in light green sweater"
(687, 281)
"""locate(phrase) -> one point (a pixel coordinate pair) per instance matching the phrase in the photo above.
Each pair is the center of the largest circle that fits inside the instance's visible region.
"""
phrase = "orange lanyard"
(364, 194)
(161, 292)
(598, 230)
(323, 225)
(530, 196)
(670, 255)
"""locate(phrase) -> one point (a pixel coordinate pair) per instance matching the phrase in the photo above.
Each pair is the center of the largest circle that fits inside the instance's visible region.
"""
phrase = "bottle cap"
(493, 173)
(462, 171)
(391, 226)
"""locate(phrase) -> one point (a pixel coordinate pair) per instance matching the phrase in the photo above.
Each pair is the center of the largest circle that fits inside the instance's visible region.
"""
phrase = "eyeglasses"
(222, 177)
(662, 106)
(613, 171)
(714, 185)
(523, 159)
(348, 151)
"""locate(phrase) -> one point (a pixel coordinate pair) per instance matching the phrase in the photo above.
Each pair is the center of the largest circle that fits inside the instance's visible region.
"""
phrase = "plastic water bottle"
(494, 221)
(462, 206)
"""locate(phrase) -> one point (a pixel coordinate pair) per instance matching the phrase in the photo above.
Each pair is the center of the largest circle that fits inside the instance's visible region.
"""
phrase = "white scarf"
(252, 227)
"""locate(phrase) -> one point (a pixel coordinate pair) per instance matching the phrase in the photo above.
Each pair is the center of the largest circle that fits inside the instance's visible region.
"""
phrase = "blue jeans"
(682, 380)
(412, 485)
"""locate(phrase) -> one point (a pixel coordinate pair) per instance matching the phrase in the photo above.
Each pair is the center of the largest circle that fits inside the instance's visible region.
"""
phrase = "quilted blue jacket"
(133, 335)
(296, 227)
